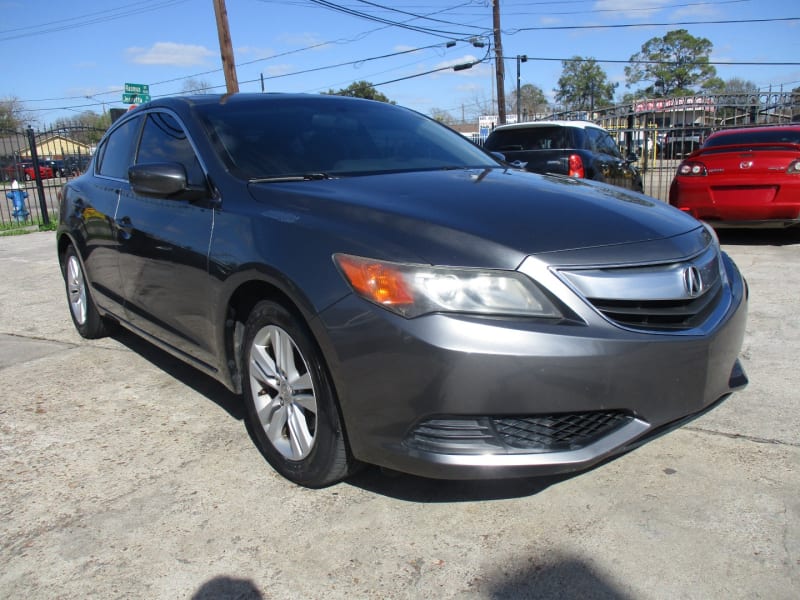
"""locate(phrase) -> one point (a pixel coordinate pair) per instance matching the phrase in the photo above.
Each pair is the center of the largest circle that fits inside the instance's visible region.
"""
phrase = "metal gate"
(33, 167)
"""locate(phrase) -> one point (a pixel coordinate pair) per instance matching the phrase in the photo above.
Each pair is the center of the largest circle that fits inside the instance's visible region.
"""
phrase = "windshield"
(302, 136)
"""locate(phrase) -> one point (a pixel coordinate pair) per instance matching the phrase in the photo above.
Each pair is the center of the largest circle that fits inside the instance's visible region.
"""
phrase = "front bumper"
(426, 395)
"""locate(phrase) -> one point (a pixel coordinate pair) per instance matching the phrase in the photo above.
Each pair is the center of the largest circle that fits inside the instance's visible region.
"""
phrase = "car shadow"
(376, 480)
(183, 372)
(759, 237)
(410, 488)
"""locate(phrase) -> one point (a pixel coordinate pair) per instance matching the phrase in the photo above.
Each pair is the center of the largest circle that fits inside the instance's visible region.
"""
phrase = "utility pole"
(226, 47)
(499, 67)
(521, 58)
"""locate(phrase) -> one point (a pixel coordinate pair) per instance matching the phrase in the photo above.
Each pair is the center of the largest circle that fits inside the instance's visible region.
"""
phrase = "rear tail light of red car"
(794, 167)
(692, 169)
(576, 166)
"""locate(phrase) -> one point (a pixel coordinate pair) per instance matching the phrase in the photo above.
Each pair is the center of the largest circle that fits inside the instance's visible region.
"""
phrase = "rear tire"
(84, 313)
(291, 405)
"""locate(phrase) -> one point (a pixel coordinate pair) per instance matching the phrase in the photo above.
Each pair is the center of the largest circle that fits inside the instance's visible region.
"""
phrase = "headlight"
(723, 272)
(413, 290)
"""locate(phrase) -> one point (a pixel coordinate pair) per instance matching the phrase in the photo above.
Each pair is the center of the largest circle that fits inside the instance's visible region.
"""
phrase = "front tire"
(291, 405)
(82, 309)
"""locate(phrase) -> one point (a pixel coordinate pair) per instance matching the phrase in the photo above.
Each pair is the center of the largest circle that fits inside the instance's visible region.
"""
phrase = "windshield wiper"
(288, 178)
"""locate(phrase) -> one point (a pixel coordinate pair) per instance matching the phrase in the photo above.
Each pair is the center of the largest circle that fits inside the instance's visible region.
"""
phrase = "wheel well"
(63, 243)
(240, 306)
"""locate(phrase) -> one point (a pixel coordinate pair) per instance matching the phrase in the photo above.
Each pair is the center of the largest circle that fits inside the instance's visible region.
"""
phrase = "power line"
(662, 62)
(629, 25)
(102, 16)
(403, 25)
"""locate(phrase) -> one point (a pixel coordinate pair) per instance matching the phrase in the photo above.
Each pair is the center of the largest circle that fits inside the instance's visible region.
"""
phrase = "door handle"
(125, 227)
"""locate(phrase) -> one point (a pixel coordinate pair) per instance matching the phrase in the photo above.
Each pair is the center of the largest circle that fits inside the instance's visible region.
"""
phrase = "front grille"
(553, 433)
(509, 435)
(651, 315)
(675, 296)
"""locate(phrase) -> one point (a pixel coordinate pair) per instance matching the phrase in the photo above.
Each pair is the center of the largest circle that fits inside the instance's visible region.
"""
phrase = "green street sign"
(137, 88)
(128, 98)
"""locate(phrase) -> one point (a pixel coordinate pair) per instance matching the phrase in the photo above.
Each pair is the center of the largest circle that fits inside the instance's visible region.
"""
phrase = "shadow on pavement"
(411, 488)
(186, 374)
(759, 237)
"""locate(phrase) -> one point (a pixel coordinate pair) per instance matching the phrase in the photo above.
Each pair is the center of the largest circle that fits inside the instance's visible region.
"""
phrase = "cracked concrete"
(124, 473)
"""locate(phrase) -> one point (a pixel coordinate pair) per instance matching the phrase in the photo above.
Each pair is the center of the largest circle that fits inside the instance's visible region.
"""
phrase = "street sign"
(128, 98)
(137, 88)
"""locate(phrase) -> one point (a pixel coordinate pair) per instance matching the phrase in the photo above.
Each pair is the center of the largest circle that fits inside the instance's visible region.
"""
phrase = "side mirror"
(162, 180)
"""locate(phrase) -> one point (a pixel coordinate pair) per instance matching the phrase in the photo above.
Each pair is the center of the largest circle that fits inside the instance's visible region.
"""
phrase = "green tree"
(442, 116)
(361, 89)
(584, 85)
(796, 104)
(12, 113)
(735, 85)
(195, 86)
(531, 101)
(87, 127)
(735, 99)
(675, 65)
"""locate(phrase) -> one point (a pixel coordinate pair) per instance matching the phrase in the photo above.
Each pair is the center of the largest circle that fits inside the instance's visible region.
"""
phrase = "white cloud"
(170, 54)
(253, 51)
(274, 70)
(303, 40)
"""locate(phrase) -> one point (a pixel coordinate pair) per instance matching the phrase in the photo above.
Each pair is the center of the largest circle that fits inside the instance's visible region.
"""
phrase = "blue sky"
(66, 57)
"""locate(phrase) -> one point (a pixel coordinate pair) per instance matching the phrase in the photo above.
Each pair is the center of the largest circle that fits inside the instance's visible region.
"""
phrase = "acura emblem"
(745, 164)
(692, 281)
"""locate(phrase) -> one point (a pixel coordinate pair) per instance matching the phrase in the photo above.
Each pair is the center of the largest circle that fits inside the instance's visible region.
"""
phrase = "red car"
(24, 171)
(742, 177)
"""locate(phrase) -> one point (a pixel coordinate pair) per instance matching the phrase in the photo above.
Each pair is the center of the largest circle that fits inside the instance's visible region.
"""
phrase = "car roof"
(241, 99)
(757, 129)
(536, 124)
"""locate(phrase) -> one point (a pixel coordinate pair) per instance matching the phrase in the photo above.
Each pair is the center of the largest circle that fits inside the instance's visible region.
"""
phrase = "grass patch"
(8, 229)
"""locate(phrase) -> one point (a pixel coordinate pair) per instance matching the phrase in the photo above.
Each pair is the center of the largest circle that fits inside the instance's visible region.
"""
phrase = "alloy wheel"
(283, 393)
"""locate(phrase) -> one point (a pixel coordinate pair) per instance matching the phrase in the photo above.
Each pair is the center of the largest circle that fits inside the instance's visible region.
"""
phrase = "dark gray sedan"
(381, 291)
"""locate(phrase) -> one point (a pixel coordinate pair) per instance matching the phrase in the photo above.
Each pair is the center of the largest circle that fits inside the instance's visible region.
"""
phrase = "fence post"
(37, 174)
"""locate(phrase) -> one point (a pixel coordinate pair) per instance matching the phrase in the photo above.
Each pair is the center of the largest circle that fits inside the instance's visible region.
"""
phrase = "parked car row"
(70, 166)
(24, 171)
(732, 178)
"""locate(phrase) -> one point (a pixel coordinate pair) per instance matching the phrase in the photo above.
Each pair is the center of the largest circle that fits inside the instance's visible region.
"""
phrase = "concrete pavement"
(126, 474)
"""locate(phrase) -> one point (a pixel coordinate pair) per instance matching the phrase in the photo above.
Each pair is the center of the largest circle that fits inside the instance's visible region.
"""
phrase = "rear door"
(97, 205)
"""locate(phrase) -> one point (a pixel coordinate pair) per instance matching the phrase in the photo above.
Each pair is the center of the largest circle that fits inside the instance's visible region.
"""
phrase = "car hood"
(481, 217)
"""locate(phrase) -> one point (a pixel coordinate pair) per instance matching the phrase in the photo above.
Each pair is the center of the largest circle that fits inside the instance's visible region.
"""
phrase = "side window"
(163, 140)
(601, 142)
(593, 136)
(116, 155)
(608, 146)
